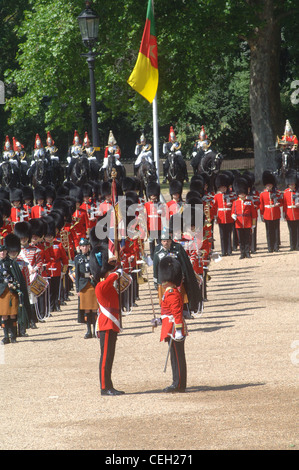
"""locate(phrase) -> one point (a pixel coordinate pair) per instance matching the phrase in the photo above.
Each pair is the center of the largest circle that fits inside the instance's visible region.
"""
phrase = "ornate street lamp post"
(89, 27)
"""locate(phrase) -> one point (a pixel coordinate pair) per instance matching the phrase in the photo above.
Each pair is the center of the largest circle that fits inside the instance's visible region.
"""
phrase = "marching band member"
(244, 215)
(174, 329)
(270, 203)
(7, 225)
(85, 287)
(14, 303)
(55, 264)
(32, 256)
(223, 209)
(108, 322)
(291, 208)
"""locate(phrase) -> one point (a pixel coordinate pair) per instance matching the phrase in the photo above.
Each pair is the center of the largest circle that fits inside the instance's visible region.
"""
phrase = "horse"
(286, 161)
(80, 172)
(146, 174)
(9, 175)
(106, 172)
(175, 171)
(210, 163)
(38, 173)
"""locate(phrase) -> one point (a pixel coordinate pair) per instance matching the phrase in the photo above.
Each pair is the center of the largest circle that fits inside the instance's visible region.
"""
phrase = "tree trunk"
(264, 90)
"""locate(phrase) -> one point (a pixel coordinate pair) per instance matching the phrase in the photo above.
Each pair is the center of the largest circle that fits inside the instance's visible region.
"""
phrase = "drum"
(38, 285)
(124, 281)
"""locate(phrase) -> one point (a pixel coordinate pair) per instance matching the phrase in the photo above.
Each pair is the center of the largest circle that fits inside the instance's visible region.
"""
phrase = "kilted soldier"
(291, 208)
(244, 215)
(31, 255)
(174, 329)
(223, 201)
(18, 213)
(270, 203)
(14, 303)
(108, 322)
(85, 287)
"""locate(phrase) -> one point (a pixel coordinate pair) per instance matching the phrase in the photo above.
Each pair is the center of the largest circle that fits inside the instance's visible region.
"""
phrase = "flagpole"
(156, 137)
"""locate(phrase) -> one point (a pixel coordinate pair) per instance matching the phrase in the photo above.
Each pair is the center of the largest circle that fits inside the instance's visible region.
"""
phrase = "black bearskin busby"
(170, 271)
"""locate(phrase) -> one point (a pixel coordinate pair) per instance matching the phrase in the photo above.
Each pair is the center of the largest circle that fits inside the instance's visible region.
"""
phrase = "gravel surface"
(243, 371)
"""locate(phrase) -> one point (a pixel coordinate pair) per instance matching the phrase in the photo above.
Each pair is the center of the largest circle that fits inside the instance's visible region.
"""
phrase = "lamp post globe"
(88, 22)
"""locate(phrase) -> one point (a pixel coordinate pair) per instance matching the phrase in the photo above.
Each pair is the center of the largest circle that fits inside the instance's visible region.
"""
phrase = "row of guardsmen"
(57, 229)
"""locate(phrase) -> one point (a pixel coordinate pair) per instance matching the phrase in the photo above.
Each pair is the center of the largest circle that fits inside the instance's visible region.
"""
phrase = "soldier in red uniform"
(176, 203)
(254, 196)
(244, 215)
(18, 212)
(291, 208)
(56, 264)
(270, 203)
(173, 324)
(223, 201)
(40, 208)
(79, 217)
(154, 211)
(108, 322)
(7, 225)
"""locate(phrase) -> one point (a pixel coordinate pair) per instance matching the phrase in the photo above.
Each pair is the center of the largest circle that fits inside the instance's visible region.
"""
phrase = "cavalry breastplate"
(76, 151)
(39, 153)
(8, 154)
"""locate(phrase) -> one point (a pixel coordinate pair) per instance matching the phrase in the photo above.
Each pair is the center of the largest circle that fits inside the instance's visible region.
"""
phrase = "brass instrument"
(207, 212)
(65, 242)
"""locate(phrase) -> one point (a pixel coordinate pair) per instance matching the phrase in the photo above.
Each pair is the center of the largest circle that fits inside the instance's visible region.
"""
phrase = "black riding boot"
(12, 328)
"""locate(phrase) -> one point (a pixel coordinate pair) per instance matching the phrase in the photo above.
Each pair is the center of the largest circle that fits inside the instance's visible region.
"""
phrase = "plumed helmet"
(76, 139)
(16, 145)
(111, 139)
(7, 144)
(86, 140)
(50, 140)
(38, 141)
(170, 270)
(172, 135)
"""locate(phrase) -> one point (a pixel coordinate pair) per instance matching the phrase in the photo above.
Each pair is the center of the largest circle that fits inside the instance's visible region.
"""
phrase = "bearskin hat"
(106, 188)
(198, 186)
(23, 230)
(50, 191)
(128, 184)
(12, 242)
(37, 227)
(170, 271)
(99, 262)
(27, 193)
(5, 207)
(87, 190)
(153, 189)
(175, 187)
(268, 178)
(16, 194)
(241, 186)
(249, 175)
(222, 179)
(4, 194)
(77, 194)
(58, 217)
(291, 177)
(39, 193)
(50, 229)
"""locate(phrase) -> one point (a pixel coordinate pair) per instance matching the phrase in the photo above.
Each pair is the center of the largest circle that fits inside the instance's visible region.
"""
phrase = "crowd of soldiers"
(56, 243)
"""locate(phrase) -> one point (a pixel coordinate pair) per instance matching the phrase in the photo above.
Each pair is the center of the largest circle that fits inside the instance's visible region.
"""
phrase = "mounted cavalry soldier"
(88, 149)
(143, 152)
(199, 147)
(20, 156)
(112, 149)
(8, 153)
(39, 152)
(173, 146)
(51, 150)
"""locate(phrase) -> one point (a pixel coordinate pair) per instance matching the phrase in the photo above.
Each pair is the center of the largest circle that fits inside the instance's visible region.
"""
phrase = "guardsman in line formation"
(291, 208)
(271, 200)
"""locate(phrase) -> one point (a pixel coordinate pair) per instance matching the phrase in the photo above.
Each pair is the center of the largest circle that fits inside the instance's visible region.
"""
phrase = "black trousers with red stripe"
(178, 364)
(107, 344)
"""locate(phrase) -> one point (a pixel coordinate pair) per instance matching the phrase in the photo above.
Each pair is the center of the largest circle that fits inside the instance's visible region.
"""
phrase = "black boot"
(4, 325)
(13, 330)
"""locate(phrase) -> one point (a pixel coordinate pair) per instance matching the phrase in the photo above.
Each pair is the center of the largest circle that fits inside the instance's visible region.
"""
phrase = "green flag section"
(145, 76)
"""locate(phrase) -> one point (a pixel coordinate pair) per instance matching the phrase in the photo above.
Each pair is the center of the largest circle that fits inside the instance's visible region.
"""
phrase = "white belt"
(110, 316)
(170, 317)
(292, 207)
(225, 209)
(269, 206)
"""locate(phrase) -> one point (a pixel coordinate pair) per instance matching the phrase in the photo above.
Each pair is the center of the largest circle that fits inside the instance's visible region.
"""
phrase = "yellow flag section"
(145, 76)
